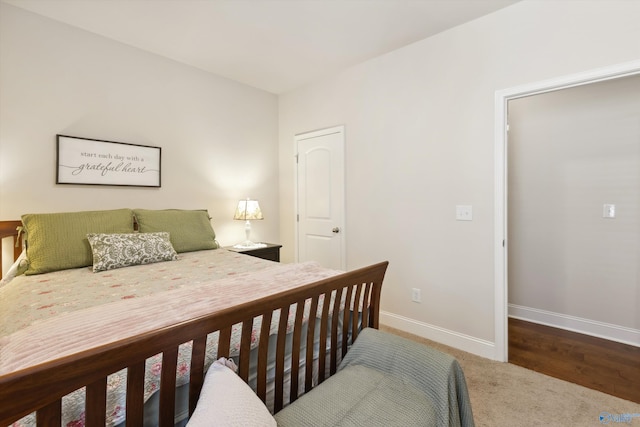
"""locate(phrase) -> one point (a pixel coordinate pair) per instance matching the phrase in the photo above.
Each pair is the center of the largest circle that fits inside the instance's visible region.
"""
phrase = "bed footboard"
(40, 388)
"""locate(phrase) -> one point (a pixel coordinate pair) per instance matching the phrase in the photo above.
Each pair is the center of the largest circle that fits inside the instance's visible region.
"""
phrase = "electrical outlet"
(415, 295)
(464, 212)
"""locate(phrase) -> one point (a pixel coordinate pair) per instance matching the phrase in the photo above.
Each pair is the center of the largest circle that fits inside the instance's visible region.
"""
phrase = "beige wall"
(420, 140)
(571, 152)
(218, 138)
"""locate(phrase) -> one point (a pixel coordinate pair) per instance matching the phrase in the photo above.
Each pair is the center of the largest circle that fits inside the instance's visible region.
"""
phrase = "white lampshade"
(247, 210)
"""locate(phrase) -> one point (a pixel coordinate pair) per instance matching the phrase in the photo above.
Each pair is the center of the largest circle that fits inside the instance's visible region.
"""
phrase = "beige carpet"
(506, 395)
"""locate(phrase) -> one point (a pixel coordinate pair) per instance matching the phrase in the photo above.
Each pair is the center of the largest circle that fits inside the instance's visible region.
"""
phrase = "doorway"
(574, 234)
(501, 220)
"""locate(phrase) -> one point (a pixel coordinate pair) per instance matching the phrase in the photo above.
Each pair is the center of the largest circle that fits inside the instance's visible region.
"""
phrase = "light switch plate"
(464, 213)
(608, 211)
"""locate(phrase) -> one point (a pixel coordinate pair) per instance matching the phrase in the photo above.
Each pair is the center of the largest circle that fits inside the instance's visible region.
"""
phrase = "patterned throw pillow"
(122, 250)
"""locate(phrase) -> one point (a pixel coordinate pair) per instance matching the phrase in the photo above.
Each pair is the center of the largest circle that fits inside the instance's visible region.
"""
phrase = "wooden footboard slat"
(245, 350)
(365, 312)
(280, 350)
(324, 320)
(295, 351)
(347, 317)
(168, 387)
(311, 329)
(356, 305)
(50, 415)
(374, 306)
(335, 317)
(263, 352)
(365, 307)
(135, 393)
(224, 342)
(96, 403)
(196, 374)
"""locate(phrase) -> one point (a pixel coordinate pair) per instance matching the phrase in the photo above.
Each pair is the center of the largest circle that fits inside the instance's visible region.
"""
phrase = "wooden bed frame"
(9, 229)
(40, 388)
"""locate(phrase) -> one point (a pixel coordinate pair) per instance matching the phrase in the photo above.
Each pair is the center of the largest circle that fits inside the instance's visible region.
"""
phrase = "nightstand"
(271, 252)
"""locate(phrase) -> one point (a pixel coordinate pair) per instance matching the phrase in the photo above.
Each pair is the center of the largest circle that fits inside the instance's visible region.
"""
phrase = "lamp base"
(247, 244)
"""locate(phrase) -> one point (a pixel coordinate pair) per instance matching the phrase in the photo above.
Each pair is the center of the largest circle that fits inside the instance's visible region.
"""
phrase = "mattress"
(64, 309)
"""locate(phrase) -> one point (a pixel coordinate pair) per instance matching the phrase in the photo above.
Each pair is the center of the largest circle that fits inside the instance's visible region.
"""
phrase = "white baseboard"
(576, 324)
(444, 336)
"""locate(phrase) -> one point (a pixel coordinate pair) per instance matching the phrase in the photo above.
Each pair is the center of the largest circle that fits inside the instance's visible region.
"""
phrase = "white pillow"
(226, 400)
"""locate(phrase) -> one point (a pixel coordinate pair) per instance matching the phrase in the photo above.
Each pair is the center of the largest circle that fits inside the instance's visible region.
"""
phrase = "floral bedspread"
(46, 316)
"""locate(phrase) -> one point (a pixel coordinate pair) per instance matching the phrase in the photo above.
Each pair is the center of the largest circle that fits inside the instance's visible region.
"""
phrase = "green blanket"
(386, 380)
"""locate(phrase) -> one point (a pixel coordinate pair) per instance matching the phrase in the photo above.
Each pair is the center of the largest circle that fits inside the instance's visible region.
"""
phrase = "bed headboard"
(9, 230)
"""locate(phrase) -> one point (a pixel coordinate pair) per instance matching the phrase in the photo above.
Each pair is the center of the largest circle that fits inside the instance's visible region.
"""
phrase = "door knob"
(336, 230)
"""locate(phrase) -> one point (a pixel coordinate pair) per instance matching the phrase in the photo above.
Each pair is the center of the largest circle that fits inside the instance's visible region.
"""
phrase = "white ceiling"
(274, 45)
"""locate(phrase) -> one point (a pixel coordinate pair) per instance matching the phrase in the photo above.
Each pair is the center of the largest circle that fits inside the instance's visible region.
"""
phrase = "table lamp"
(246, 211)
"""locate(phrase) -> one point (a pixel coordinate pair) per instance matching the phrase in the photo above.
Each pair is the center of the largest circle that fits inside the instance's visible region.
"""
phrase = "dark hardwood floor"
(596, 363)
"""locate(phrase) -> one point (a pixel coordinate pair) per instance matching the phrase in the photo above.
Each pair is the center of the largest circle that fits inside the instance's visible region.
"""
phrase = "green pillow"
(189, 230)
(58, 241)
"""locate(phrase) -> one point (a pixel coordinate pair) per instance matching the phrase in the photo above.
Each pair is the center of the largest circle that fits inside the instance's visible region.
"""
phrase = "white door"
(320, 197)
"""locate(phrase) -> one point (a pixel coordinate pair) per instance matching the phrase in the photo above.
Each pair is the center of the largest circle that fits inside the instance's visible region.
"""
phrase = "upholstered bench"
(384, 380)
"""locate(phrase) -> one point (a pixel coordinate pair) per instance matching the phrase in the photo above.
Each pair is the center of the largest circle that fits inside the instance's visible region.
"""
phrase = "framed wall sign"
(97, 162)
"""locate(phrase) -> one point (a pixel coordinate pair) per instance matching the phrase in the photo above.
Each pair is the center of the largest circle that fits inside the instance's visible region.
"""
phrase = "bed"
(133, 354)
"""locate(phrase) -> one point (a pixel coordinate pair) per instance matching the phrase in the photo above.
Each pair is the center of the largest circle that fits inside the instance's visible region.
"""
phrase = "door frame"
(502, 97)
(313, 134)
